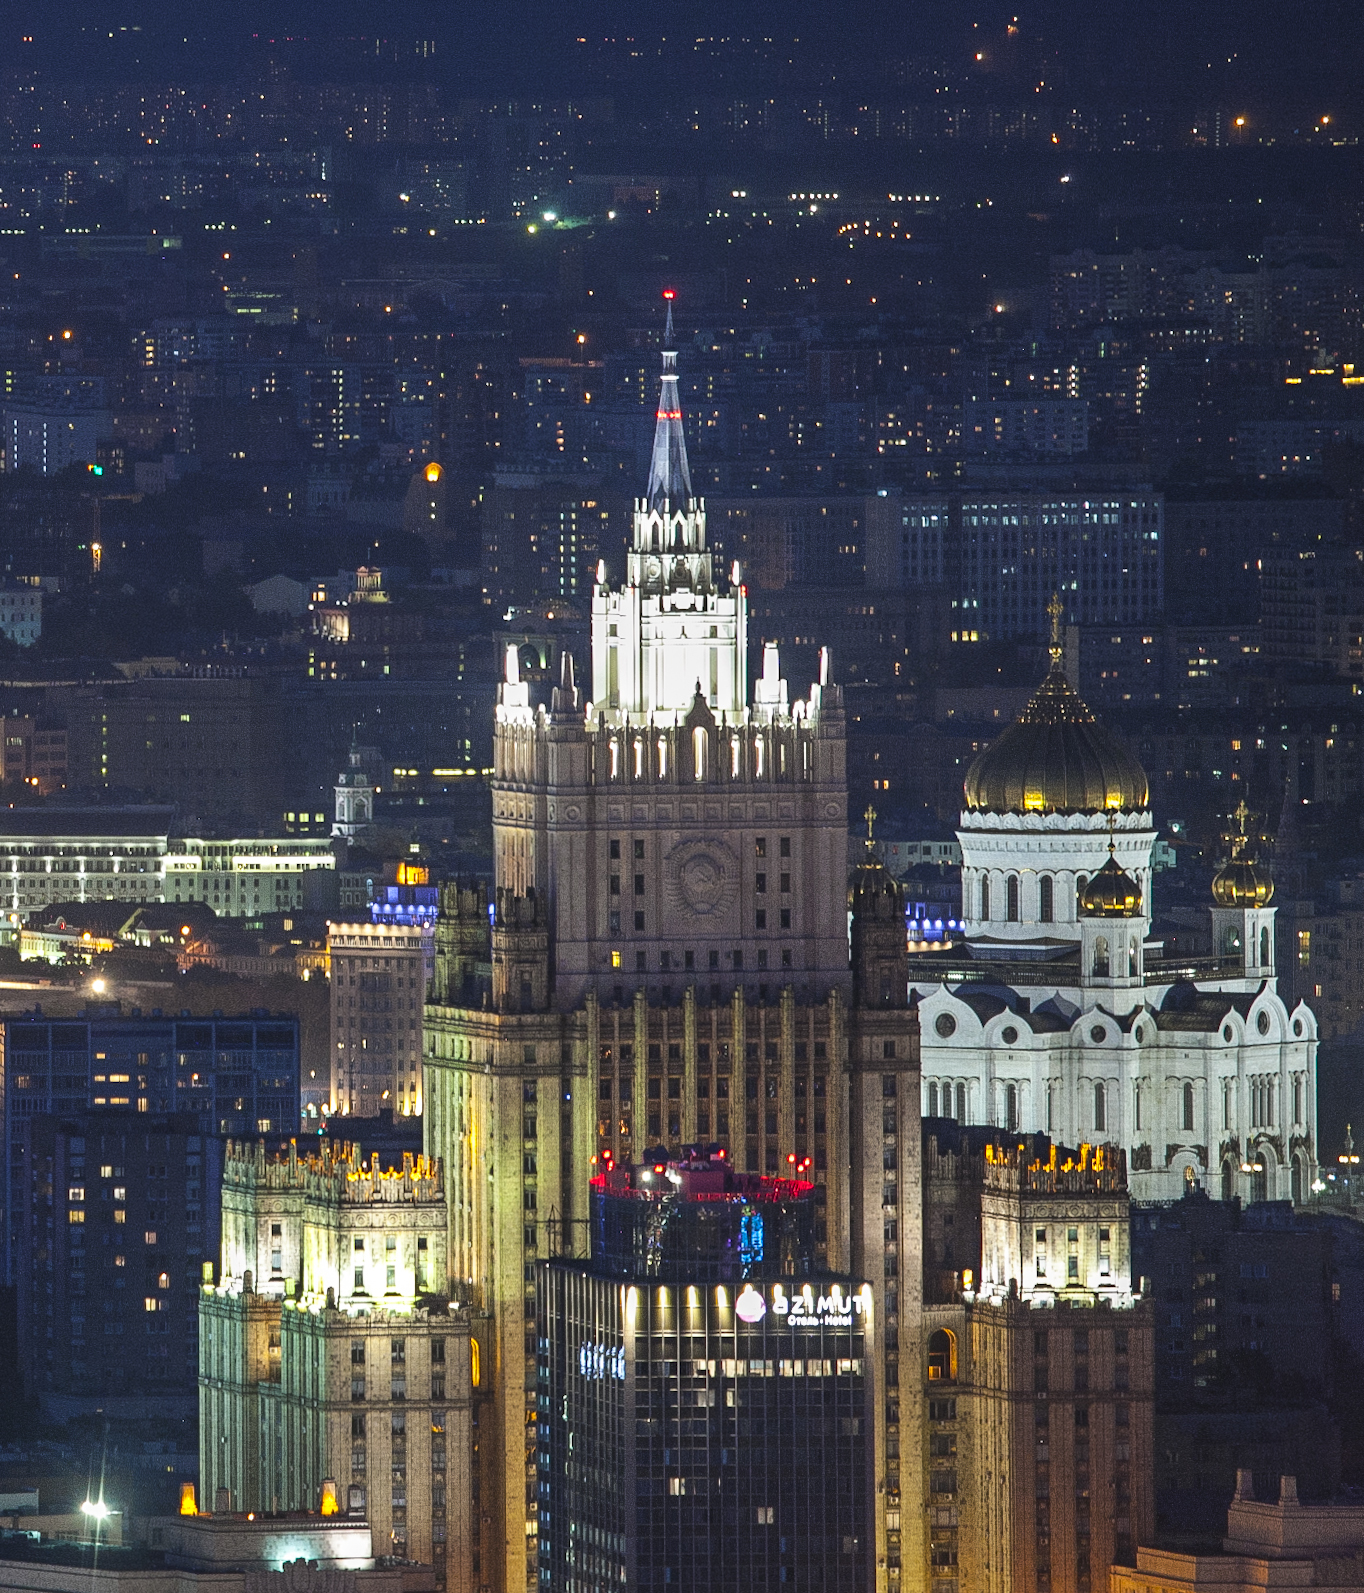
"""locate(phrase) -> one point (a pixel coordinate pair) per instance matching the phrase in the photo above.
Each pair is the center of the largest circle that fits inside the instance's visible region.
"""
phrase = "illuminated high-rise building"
(669, 965)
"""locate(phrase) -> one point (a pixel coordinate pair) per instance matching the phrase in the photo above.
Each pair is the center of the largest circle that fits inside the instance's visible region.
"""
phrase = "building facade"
(1036, 1375)
(230, 1075)
(117, 1213)
(1060, 1014)
(709, 1393)
(379, 973)
(329, 1350)
(669, 964)
(130, 855)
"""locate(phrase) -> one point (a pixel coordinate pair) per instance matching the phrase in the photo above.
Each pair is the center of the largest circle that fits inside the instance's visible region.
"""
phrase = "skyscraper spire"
(669, 476)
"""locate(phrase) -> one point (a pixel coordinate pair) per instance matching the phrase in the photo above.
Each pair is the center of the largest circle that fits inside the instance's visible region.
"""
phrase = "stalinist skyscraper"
(670, 964)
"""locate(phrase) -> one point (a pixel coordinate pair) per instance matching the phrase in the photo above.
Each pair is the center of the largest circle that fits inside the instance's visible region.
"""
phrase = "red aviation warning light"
(669, 293)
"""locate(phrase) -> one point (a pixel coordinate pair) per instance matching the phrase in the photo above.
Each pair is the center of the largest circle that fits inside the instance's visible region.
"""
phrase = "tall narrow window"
(985, 896)
(1100, 1108)
(1187, 1123)
(1046, 899)
(698, 752)
(1136, 1105)
(961, 1103)
(932, 1100)
(1101, 957)
(1011, 1108)
(1264, 947)
(1012, 893)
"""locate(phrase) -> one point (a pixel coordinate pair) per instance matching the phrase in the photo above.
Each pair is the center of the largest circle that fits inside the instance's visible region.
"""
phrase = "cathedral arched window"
(985, 896)
(961, 1103)
(1011, 1108)
(1136, 1106)
(1187, 1103)
(1100, 1107)
(1011, 890)
(1046, 899)
(1264, 947)
(698, 752)
(1101, 957)
(933, 1100)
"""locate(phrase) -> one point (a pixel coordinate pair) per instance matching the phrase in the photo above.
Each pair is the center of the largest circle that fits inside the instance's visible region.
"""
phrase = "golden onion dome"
(1239, 883)
(1111, 893)
(1056, 758)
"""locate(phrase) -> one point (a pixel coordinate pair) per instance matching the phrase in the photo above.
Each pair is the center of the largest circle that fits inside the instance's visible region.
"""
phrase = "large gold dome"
(1056, 759)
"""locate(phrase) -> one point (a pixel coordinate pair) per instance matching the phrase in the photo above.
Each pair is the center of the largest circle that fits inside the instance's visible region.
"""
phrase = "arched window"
(1259, 1182)
(1136, 1105)
(1132, 959)
(1231, 942)
(698, 752)
(1101, 957)
(1297, 1100)
(1297, 1185)
(942, 1357)
(1227, 1180)
(1264, 947)
(1186, 1116)
(1046, 899)
(473, 1363)
(1100, 1108)
(961, 1103)
(985, 896)
(1011, 1108)
(1012, 894)
(932, 1100)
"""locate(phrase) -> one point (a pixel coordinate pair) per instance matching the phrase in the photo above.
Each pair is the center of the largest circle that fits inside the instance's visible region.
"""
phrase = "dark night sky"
(1278, 50)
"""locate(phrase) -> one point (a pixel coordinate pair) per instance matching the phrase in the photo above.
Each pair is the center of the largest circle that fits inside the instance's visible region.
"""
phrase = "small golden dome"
(1239, 882)
(1057, 758)
(1112, 893)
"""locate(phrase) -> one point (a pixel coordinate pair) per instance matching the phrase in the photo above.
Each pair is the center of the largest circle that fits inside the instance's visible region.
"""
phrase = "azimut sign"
(804, 1306)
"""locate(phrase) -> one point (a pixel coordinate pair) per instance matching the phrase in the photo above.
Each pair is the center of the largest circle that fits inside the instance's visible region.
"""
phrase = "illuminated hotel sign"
(803, 1307)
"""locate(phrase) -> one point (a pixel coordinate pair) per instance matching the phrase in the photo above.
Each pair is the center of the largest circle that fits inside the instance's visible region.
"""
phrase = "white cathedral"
(1065, 1018)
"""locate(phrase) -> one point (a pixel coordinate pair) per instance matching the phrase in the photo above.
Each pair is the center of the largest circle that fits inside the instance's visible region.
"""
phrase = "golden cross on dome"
(1241, 814)
(1055, 609)
(870, 817)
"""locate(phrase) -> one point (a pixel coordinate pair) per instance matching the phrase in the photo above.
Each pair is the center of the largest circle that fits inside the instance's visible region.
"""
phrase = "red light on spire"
(669, 293)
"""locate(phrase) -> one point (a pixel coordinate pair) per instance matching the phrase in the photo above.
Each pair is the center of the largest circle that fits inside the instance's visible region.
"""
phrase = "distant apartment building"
(1001, 556)
(379, 973)
(32, 753)
(49, 437)
(117, 1213)
(52, 855)
(1021, 428)
(1312, 609)
(231, 1075)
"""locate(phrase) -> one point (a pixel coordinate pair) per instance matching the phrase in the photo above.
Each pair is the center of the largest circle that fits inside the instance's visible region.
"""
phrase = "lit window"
(151, 1303)
(120, 1192)
(150, 1236)
(163, 1281)
(120, 1216)
(75, 1215)
(76, 1192)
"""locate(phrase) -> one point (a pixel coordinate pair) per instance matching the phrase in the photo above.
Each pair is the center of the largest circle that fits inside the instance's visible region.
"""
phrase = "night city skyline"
(681, 798)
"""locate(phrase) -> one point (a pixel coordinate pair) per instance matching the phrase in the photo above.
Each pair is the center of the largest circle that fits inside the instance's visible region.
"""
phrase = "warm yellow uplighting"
(433, 472)
(330, 1507)
(188, 1505)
